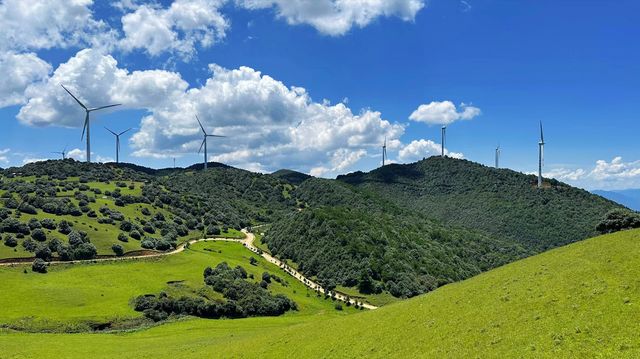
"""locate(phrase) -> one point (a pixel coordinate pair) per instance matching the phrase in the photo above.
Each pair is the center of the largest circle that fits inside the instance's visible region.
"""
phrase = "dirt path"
(247, 242)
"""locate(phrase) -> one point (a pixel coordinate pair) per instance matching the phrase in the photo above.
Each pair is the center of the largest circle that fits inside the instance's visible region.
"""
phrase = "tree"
(39, 235)
(135, 235)
(123, 237)
(253, 261)
(64, 227)
(117, 249)
(266, 277)
(43, 252)
(10, 241)
(85, 251)
(39, 266)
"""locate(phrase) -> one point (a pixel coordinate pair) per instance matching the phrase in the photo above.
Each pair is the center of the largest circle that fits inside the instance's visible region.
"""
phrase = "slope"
(500, 202)
(573, 301)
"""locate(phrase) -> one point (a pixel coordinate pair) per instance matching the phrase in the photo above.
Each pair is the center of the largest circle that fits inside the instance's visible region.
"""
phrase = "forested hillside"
(500, 202)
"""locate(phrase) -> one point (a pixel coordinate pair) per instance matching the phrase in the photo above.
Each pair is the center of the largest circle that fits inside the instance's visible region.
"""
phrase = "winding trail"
(247, 242)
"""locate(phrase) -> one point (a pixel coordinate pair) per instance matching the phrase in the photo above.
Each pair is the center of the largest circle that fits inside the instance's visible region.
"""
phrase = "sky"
(317, 85)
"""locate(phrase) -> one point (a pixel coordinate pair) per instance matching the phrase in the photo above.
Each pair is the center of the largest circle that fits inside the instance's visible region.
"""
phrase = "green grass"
(582, 300)
(70, 296)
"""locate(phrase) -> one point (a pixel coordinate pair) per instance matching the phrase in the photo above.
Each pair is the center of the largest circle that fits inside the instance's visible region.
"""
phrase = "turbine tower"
(498, 151)
(540, 156)
(384, 151)
(87, 126)
(118, 142)
(204, 142)
(63, 153)
(444, 138)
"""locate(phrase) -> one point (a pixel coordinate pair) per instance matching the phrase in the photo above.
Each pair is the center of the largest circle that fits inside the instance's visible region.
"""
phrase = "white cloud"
(337, 17)
(46, 24)
(4, 155)
(615, 174)
(17, 71)
(443, 113)
(77, 154)
(259, 114)
(32, 160)
(419, 149)
(176, 29)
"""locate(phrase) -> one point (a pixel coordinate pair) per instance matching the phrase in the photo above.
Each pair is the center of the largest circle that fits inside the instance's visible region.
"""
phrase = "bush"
(338, 306)
(253, 261)
(85, 251)
(29, 245)
(10, 241)
(148, 243)
(64, 227)
(39, 235)
(48, 223)
(126, 226)
(266, 277)
(39, 266)
(117, 249)
(135, 235)
(619, 219)
(213, 230)
(146, 211)
(123, 237)
(34, 223)
(43, 252)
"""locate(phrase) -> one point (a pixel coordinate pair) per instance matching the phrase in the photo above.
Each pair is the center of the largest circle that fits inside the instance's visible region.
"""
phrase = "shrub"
(43, 252)
(64, 227)
(266, 277)
(135, 235)
(85, 251)
(338, 306)
(34, 223)
(148, 243)
(146, 211)
(29, 245)
(10, 241)
(39, 235)
(123, 237)
(619, 219)
(117, 249)
(213, 230)
(253, 261)
(48, 223)
(54, 244)
(39, 266)
(126, 226)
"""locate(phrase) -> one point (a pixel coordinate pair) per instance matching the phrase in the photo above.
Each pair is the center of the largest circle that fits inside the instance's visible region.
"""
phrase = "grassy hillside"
(575, 301)
(128, 206)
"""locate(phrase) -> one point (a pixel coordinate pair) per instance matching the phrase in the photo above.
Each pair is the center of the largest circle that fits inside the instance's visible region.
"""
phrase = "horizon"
(316, 90)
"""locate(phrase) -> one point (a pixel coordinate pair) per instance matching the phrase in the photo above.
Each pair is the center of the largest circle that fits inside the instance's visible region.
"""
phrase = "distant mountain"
(627, 197)
(291, 176)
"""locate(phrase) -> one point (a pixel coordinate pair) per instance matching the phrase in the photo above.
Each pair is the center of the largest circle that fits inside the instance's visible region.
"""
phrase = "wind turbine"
(384, 150)
(204, 142)
(63, 153)
(540, 156)
(87, 125)
(118, 142)
(444, 138)
(498, 151)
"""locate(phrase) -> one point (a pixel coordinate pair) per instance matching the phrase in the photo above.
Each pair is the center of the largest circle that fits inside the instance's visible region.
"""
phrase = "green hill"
(290, 176)
(408, 229)
(501, 202)
(577, 301)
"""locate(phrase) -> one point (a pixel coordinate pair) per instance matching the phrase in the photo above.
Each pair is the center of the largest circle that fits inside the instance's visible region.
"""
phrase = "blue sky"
(574, 65)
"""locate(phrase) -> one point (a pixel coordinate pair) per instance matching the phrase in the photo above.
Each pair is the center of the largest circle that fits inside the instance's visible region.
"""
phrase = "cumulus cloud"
(4, 155)
(175, 29)
(269, 124)
(419, 149)
(614, 174)
(337, 17)
(17, 71)
(443, 113)
(46, 24)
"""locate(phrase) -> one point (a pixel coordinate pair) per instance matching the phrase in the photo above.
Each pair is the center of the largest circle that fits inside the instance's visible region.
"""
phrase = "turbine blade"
(201, 145)
(75, 98)
(123, 132)
(84, 128)
(200, 123)
(103, 107)
(541, 133)
(110, 131)
(215, 136)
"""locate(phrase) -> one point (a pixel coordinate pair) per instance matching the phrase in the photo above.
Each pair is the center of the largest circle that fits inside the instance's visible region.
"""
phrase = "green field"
(576, 301)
